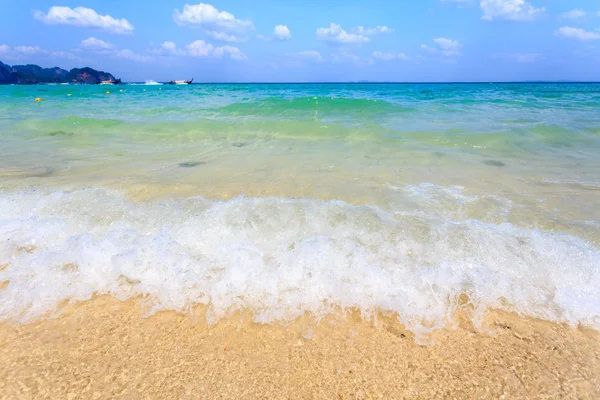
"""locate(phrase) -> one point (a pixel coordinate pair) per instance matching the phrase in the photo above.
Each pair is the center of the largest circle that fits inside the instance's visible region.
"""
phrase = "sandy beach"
(103, 348)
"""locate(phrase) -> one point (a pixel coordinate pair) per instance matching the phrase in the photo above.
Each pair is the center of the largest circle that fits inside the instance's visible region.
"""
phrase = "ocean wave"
(280, 258)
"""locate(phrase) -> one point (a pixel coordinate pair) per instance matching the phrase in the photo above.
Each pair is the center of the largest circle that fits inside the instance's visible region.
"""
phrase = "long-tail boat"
(109, 82)
(183, 82)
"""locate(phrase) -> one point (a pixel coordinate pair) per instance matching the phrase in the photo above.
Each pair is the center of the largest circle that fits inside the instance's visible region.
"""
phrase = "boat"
(184, 82)
(109, 82)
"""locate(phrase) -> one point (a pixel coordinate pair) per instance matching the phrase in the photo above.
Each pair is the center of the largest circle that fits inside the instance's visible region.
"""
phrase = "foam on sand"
(279, 258)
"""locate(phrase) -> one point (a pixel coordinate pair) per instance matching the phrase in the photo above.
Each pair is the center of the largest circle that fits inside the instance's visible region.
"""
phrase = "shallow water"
(308, 197)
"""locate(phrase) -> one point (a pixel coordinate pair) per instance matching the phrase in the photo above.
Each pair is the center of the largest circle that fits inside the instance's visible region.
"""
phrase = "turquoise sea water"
(288, 198)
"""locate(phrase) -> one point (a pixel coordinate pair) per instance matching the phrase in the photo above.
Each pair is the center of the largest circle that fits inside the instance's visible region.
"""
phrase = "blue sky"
(309, 40)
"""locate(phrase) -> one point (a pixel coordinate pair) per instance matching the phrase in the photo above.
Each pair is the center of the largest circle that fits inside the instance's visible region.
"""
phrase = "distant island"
(33, 74)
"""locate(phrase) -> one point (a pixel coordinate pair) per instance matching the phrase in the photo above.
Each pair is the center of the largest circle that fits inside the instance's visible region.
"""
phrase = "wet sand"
(103, 348)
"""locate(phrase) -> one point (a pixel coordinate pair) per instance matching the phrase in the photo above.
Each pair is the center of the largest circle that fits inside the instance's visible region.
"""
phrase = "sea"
(282, 200)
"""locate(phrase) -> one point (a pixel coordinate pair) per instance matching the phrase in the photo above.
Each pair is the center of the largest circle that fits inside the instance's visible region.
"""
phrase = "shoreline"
(103, 348)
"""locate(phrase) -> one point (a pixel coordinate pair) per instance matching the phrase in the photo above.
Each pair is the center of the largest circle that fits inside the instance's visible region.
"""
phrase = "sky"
(309, 40)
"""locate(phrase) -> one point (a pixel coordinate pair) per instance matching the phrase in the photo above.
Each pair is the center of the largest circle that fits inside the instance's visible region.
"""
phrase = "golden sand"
(103, 348)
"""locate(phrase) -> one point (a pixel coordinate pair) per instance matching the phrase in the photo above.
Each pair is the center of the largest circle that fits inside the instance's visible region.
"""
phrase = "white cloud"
(520, 57)
(210, 18)
(132, 56)
(19, 51)
(282, 32)
(388, 56)
(346, 56)
(446, 47)
(229, 51)
(574, 14)
(459, 2)
(335, 33)
(448, 44)
(361, 30)
(429, 49)
(28, 50)
(514, 10)
(101, 47)
(357, 35)
(221, 36)
(576, 33)
(169, 48)
(200, 48)
(94, 44)
(84, 17)
(310, 55)
(218, 25)
(23, 52)
(579, 13)
(527, 58)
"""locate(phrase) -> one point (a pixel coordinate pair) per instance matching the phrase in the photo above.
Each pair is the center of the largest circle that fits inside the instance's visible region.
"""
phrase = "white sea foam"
(279, 258)
(149, 82)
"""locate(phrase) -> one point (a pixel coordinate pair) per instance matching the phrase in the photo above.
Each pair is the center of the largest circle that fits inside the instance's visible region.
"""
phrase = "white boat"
(183, 82)
(110, 82)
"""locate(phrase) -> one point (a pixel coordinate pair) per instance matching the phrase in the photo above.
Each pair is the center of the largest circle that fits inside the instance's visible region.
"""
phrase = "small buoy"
(144, 90)
(69, 95)
(37, 99)
(159, 88)
(121, 90)
(107, 92)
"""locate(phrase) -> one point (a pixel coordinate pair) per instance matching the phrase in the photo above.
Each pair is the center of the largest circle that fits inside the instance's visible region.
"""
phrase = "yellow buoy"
(69, 95)
(121, 90)
(107, 92)
(37, 99)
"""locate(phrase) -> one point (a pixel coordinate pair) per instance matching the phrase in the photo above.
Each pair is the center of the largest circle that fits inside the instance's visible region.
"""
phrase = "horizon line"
(328, 83)
(368, 82)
